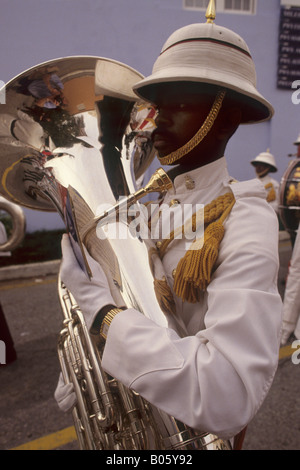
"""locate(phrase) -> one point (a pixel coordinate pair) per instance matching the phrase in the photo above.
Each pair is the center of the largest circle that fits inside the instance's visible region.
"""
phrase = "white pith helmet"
(205, 53)
(297, 141)
(115, 79)
(268, 159)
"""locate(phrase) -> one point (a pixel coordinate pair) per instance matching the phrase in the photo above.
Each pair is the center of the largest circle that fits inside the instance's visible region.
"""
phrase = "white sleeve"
(216, 380)
(291, 303)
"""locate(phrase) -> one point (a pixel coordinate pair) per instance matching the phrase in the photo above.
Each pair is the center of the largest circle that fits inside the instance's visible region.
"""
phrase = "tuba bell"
(289, 193)
(18, 221)
(78, 142)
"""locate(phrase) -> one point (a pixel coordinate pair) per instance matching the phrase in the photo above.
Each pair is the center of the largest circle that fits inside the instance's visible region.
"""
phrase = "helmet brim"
(272, 169)
(255, 108)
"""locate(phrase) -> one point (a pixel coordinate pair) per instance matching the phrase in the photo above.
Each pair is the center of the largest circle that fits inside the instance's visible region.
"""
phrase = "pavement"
(48, 268)
(29, 416)
(31, 270)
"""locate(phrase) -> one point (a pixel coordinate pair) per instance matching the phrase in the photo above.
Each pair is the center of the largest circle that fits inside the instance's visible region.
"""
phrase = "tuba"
(289, 193)
(78, 142)
(18, 221)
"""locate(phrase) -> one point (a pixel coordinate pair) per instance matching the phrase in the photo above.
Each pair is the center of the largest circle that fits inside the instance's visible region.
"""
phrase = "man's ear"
(231, 119)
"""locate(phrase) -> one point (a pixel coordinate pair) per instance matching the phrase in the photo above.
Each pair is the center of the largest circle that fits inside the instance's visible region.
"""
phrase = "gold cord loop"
(199, 136)
(193, 272)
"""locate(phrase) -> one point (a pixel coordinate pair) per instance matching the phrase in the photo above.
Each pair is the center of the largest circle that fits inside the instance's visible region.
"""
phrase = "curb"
(24, 271)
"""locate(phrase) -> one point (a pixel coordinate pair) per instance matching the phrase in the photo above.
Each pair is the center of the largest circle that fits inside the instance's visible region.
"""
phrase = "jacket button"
(174, 202)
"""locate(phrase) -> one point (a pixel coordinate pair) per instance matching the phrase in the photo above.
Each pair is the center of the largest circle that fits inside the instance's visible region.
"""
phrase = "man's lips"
(160, 139)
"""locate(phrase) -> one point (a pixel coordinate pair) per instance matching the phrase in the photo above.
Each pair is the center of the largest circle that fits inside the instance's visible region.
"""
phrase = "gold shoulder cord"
(271, 193)
(193, 272)
(107, 321)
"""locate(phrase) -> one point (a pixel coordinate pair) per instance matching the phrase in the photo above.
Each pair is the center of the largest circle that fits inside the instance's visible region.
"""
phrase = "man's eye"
(172, 107)
(178, 106)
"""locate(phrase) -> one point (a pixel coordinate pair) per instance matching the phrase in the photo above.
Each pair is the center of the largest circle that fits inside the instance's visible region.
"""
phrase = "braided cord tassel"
(193, 272)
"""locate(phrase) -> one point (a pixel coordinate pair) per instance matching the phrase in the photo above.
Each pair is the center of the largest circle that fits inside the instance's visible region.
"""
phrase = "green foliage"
(36, 247)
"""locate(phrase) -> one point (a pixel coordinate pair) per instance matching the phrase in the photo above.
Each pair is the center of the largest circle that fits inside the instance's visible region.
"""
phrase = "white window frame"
(221, 8)
(290, 3)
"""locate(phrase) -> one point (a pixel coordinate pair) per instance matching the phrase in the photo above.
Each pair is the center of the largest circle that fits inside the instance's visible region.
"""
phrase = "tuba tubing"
(289, 205)
(97, 425)
(19, 225)
(86, 159)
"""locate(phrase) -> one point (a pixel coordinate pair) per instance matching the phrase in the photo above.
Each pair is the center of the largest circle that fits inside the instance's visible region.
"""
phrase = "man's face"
(261, 169)
(180, 116)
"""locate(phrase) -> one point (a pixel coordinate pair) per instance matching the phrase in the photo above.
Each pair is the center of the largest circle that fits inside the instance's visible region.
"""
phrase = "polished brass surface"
(86, 159)
(108, 415)
(211, 11)
(99, 126)
(159, 182)
(18, 220)
(289, 194)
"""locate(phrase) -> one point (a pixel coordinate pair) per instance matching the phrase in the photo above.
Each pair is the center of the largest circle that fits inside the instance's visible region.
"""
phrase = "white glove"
(286, 332)
(64, 394)
(91, 295)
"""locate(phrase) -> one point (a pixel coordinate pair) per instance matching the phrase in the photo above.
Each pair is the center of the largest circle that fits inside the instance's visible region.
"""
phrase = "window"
(290, 3)
(224, 6)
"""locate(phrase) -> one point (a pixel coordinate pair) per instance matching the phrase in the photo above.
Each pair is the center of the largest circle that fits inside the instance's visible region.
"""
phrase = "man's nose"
(163, 116)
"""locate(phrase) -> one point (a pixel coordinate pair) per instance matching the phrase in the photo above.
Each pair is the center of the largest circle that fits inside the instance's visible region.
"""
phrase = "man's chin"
(261, 174)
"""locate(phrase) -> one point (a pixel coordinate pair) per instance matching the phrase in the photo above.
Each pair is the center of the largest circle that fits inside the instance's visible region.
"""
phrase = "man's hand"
(91, 295)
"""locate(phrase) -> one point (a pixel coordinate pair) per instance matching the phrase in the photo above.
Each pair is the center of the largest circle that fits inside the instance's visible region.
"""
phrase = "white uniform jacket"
(271, 184)
(291, 302)
(215, 378)
(26, 132)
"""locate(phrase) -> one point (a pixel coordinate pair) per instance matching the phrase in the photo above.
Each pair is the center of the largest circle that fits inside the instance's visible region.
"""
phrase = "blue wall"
(133, 31)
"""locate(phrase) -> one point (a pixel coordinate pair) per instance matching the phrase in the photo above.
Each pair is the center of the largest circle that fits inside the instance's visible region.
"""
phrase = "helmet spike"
(211, 11)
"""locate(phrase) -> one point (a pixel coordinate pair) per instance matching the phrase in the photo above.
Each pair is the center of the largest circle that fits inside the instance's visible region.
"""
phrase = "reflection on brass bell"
(174, 202)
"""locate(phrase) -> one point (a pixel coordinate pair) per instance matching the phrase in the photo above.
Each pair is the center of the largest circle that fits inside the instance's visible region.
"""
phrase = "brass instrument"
(18, 220)
(87, 160)
(289, 204)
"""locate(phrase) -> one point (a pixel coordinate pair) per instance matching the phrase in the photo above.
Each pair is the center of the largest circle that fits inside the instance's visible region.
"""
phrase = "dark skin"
(180, 115)
(261, 169)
